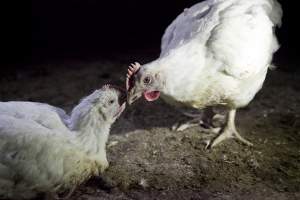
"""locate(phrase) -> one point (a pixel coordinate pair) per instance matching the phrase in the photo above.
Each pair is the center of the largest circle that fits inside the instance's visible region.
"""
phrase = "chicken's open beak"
(133, 95)
(121, 110)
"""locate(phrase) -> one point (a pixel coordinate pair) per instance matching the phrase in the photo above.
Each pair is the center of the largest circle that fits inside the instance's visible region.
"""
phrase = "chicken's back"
(49, 116)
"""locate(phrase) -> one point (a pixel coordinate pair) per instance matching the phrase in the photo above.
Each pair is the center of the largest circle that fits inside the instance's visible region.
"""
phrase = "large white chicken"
(215, 53)
(43, 150)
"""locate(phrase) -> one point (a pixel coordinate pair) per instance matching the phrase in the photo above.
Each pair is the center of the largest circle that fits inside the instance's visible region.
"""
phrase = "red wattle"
(151, 96)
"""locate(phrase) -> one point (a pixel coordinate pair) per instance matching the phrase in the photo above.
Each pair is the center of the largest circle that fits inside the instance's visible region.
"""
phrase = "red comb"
(109, 86)
(132, 69)
(106, 86)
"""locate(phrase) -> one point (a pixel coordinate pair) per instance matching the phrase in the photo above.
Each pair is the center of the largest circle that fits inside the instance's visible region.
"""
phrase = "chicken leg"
(201, 118)
(229, 131)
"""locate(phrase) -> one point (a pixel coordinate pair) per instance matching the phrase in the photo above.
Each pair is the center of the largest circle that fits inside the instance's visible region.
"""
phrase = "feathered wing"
(21, 147)
(244, 40)
(185, 26)
(35, 159)
(43, 114)
(237, 33)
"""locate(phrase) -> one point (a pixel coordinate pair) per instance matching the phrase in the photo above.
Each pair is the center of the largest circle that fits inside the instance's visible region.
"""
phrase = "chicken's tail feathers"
(275, 12)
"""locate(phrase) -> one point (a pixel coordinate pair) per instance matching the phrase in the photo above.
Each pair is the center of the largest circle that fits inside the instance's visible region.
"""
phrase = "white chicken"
(215, 53)
(43, 150)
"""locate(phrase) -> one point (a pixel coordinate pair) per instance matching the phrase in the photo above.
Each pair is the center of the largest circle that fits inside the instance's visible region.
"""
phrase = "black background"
(43, 30)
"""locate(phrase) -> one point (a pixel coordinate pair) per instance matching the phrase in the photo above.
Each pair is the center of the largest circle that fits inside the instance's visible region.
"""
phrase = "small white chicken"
(44, 151)
(215, 53)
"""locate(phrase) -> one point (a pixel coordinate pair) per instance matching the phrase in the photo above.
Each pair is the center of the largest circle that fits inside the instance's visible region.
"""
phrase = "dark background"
(45, 30)
(57, 51)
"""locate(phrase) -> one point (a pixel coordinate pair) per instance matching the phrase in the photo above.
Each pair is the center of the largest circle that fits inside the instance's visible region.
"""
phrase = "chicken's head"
(111, 102)
(142, 81)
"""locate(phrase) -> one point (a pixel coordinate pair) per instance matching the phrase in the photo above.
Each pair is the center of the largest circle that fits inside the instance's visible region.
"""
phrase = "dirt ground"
(150, 161)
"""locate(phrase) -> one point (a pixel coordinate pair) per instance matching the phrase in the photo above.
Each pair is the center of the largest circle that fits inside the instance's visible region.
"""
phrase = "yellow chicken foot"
(201, 118)
(66, 197)
(229, 132)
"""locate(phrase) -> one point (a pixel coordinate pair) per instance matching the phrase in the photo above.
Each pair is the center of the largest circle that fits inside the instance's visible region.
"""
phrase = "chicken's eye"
(147, 80)
(111, 102)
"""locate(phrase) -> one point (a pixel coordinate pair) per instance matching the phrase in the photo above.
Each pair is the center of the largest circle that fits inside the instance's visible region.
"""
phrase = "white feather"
(41, 153)
(218, 52)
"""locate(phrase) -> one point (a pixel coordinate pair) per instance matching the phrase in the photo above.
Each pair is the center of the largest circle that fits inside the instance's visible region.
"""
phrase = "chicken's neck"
(177, 73)
(90, 129)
